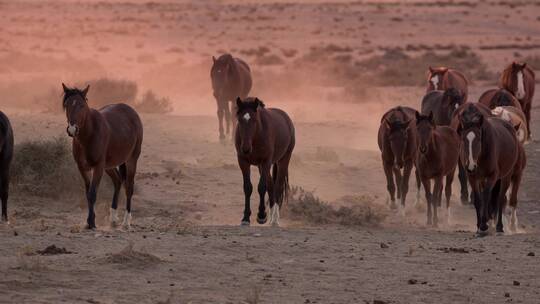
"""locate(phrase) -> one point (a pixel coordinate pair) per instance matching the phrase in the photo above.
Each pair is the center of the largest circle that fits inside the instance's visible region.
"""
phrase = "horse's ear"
(417, 115)
(85, 91)
(214, 59)
(430, 69)
(386, 123)
(259, 103)
(524, 65)
(66, 89)
(430, 117)
(238, 102)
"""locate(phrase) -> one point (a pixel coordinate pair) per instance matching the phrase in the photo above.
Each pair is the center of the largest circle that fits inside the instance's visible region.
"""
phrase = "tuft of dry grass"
(130, 257)
(306, 206)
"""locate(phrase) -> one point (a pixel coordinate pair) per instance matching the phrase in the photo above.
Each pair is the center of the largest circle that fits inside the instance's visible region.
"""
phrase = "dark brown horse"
(231, 78)
(518, 78)
(443, 78)
(108, 139)
(437, 158)
(264, 138)
(443, 104)
(489, 151)
(498, 98)
(397, 142)
(6, 154)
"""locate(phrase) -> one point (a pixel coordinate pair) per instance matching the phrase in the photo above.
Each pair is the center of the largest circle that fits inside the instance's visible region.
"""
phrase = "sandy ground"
(186, 245)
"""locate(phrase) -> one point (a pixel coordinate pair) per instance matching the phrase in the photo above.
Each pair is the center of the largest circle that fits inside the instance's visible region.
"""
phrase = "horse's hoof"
(481, 233)
(393, 206)
(244, 223)
(262, 220)
(90, 227)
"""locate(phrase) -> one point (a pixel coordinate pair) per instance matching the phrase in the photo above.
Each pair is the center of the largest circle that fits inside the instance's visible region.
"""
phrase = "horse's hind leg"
(418, 186)
(501, 202)
(129, 183)
(281, 186)
(397, 174)
(516, 181)
(390, 186)
(448, 194)
(265, 171)
(527, 111)
(4, 193)
(117, 182)
(220, 113)
(262, 191)
(228, 120)
(436, 201)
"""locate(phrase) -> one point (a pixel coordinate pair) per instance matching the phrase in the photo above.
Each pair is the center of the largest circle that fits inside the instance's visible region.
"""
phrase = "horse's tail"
(123, 172)
(282, 187)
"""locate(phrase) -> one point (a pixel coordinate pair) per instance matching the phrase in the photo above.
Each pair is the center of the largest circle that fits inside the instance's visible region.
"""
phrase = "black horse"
(6, 154)
(231, 78)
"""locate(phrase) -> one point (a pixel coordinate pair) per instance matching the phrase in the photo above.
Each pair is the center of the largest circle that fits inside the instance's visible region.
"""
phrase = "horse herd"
(484, 140)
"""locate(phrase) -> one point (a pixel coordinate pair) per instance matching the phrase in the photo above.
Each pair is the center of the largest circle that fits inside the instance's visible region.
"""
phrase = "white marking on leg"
(401, 210)
(521, 135)
(472, 163)
(127, 220)
(514, 220)
(276, 215)
(113, 217)
(435, 81)
(521, 86)
(246, 117)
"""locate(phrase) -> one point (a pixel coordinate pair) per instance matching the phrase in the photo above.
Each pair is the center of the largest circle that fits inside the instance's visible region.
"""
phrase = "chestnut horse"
(490, 152)
(443, 78)
(6, 154)
(516, 117)
(443, 105)
(437, 158)
(108, 139)
(498, 98)
(397, 142)
(518, 78)
(264, 138)
(231, 78)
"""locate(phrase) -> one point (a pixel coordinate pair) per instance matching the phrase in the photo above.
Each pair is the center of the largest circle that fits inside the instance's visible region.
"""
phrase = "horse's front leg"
(484, 205)
(220, 113)
(91, 195)
(262, 189)
(501, 203)
(462, 176)
(390, 186)
(405, 184)
(248, 189)
(429, 198)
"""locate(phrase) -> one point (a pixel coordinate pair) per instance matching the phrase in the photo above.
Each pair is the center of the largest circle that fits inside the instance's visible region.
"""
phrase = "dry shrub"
(132, 258)
(106, 91)
(45, 168)
(270, 59)
(306, 206)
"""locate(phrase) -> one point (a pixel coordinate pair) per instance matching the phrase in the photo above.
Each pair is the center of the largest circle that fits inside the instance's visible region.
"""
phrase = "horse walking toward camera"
(443, 104)
(108, 139)
(397, 143)
(498, 98)
(6, 154)
(264, 138)
(443, 78)
(437, 158)
(490, 152)
(519, 79)
(231, 78)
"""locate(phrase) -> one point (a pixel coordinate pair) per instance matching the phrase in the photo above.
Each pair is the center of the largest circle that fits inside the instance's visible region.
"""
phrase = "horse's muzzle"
(72, 130)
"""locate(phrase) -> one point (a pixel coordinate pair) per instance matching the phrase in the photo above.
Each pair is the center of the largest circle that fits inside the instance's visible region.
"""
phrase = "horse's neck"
(87, 131)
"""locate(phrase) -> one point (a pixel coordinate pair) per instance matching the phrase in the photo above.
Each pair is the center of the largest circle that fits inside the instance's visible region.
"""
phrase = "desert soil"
(185, 245)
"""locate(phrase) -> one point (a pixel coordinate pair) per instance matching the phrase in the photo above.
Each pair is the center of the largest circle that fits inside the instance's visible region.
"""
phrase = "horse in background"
(6, 155)
(437, 158)
(105, 140)
(264, 138)
(517, 118)
(397, 143)
(443, 78)
(498, 98)
(231, 78)
(519, 79)
(490, 152)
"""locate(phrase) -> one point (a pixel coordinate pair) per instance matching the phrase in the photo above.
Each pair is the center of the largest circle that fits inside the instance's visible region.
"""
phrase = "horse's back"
(505, 137)
(244, 74)
(283, 129)
(124, 122)
(431, 101)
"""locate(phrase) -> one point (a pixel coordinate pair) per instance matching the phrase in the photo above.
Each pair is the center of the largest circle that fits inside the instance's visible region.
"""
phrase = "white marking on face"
(247, 117)
(456, 105)
(435, 81)
(521, 86)
(74, 102)
(72, 129)
(470, 137)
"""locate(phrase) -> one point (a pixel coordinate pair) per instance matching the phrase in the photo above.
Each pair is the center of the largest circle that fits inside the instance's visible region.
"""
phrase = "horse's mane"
(70, 93)
(503, 97)
(506, 77)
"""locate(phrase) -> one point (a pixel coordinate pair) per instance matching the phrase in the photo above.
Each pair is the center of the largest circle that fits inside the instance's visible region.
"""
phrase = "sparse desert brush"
(306, 206)
(105, 91)
(131, 257)
(45, 168)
